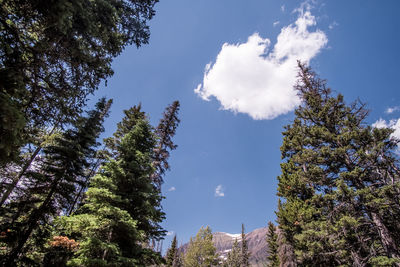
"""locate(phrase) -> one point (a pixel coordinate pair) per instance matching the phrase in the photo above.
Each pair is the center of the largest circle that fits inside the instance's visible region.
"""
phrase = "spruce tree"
(55, 181)
(340, 182)
(172, 253)
(165, 131)
(122, 210)
(272, 241)
(54, 54)
(244, 253)
(234, 256)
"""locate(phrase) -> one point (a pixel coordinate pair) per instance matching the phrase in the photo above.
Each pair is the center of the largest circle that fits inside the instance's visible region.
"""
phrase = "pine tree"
(272, 241)
(172, 253)
(55, 181)
(234, 256)
(165, 131)
(340, 182)
(201, 251)
(122, 210)
(286, 255)
(53, 55)
(244, 253)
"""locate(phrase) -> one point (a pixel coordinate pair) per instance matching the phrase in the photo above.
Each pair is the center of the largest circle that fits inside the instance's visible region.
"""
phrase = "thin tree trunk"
(357, 260)
(109, 240)
(387, 241)
(15, 181)
(79, 194)
(18, 178)
(32, 223)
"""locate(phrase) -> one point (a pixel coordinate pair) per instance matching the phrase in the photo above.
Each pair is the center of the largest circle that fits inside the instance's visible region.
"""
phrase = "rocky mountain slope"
(256, 241)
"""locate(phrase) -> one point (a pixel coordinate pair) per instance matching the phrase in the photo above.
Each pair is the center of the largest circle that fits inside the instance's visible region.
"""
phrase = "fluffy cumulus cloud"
(394, 124)
(252, 79)
(219, 191)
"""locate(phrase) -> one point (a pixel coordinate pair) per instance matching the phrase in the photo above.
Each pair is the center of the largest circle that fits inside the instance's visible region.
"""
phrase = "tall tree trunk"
(387, 241)
(31, 225)
(15, 181)
(79, 194)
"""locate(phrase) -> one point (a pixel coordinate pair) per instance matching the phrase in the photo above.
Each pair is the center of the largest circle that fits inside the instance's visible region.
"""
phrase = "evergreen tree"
(53, 54)
(201, 251)
(165, 131)
(234, 256)
(55, 180)
(340, 182)
(244, 253)
(272, 241)
(172, 253)
(122, 210)
(286, 255)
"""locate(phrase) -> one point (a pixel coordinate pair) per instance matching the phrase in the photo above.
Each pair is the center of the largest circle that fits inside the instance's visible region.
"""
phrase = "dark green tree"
(53, 54)
(54, 182)
(244, 253)
(272, 241)
(340, 182)
(172, 253)
(122, 211)
(165, 131)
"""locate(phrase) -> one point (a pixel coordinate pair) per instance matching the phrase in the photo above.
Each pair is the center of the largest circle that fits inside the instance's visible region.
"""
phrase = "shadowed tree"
(55, 181)
(53, 54)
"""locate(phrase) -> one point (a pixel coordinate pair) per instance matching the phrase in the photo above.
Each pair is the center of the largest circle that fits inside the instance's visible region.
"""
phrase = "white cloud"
(172, 188)
(390, 110)
(247, 78)
(275, 23)
(169, 233)
(333, 25)
(283, 8)
(394, 124)
(219, 191)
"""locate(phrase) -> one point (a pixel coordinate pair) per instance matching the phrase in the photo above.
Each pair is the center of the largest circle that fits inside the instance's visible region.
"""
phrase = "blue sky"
(224, 170)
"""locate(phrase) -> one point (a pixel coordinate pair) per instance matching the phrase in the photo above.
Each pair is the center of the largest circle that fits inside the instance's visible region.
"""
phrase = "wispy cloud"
(333, 25)
(172, 188)
(283, 8)
(390, 110)
(219, 191)
(394, 124)
(169, 233)
(275, 23)
(247, 78)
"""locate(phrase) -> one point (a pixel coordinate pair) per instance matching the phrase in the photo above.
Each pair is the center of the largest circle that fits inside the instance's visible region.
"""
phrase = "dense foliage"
(340, 184)
(201, 251)
(53, 54)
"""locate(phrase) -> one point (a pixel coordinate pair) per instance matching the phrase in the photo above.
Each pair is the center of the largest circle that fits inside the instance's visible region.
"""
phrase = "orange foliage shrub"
(64, 242)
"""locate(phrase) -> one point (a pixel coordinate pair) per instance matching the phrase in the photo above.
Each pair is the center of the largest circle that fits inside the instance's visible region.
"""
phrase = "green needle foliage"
(172, 256)
(53, 54)
(272, 240)
(52, 184)
(340, 183)
(244, 253)
(234, 256)
(122, 211)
